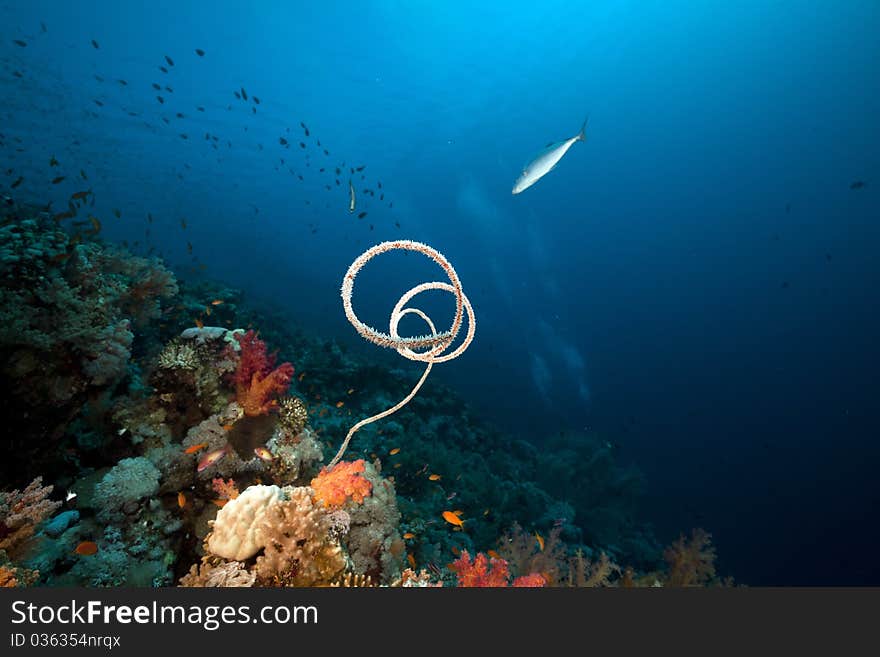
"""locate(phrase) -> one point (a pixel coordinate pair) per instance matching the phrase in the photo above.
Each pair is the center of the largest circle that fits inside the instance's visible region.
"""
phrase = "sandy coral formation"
(236, 534)
(296, 457)
(224, 574)
(293, 415)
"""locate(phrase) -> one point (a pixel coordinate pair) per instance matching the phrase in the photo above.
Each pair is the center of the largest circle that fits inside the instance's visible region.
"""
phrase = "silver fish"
(351, 197)
(546, 161)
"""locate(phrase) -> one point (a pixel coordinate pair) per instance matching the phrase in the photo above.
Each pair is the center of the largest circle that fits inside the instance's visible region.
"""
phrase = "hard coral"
(256, 382)
(345, 481)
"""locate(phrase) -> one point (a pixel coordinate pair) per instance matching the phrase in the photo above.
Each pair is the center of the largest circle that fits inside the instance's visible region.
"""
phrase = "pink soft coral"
(343, 482)
(256, 382)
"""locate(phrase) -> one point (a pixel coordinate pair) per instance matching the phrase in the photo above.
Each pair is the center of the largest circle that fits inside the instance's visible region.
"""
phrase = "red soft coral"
(481, 572)
(256, 383)
(345, 481)
(535, 580)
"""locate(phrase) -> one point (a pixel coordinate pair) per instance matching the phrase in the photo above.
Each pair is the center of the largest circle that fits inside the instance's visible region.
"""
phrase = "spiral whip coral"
(435, 344)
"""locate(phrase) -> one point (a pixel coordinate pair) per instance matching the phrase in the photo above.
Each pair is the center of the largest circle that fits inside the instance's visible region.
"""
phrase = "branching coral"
(691, 562)
(333, 488)
(256, 382)
(21, 511)
(299, 546)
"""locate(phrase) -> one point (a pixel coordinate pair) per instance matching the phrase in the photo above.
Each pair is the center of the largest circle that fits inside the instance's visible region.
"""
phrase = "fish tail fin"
(582, 135)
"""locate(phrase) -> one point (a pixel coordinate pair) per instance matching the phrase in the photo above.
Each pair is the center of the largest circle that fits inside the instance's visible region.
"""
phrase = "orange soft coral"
(258, 398)
(343, 482)
(481, 572)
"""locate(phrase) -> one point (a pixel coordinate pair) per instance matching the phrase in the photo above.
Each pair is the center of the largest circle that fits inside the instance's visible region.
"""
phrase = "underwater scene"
(439, 294)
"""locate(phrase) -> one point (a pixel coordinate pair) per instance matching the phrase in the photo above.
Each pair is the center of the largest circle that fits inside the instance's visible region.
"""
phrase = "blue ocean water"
(696, 282)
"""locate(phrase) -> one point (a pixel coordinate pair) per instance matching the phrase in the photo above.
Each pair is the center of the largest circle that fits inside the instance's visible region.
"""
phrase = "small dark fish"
(165, 119)
(360, 168)
(397, 223)
(163, 69)
(180, 115)
(337, 171)
(379, 184)
(183, 223)
(169, 60)
(237, 95)
(243, 93)
(80, 196)
(337, 182)
(95, 44)
(371, 226)
(43, 27)
(53, 162)
(318, 142)
(254, 110)
(321, 170)
(57, 180)
(157, 86)
(98, 78)
(149, 218)
(20, 43)
(381, 197)
(83, 175)
(200, 52)
(117, 213)
(299, 175)
(169, 89)
(200, 108)
(858, 184)
(361, 215)
(18, 181)
(189, 247)
(160, 99)
(122, 82)
(17, 74)
(256, 100)
(98, 103)
(302, 144)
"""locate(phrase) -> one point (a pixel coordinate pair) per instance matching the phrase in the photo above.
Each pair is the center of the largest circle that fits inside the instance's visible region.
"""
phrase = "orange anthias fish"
(263, 453)
(220, 503)
(394, 451)
(192, 449)
(493, 554)
(456, 551)
(409, 535)
(540, 540)
(398, 465)
(452, 519)
(181, 499)
(86, 548)
(350, 390)
(200, 323)
(435, 477)
(340, 404)
(211, 458)
(411, 559)
(217, 302)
